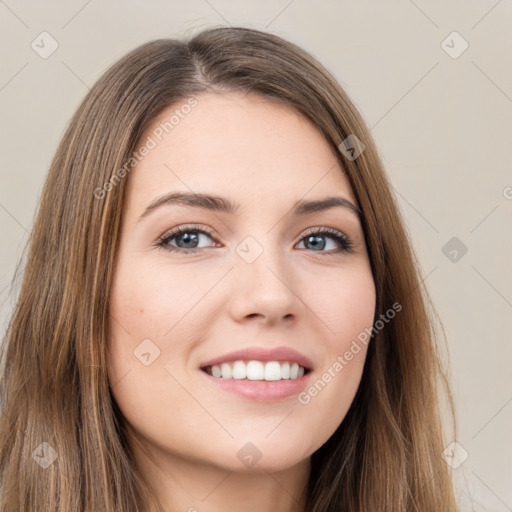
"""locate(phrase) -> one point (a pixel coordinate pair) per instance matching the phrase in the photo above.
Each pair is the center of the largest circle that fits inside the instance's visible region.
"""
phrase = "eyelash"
(346, 245)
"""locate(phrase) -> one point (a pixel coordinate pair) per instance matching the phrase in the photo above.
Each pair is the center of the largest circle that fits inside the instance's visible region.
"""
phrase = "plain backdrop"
(433, 80)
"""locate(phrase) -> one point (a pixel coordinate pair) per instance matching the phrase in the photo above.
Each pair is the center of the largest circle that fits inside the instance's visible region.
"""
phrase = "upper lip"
(262, 354)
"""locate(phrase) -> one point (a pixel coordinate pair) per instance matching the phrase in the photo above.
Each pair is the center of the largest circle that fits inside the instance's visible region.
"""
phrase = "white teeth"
(257, 370)
(285, 370)
(226, 371)
(273, 371)
(239, 370)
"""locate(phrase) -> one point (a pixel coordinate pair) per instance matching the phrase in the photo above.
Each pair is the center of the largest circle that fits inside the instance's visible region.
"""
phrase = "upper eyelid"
(175, 231)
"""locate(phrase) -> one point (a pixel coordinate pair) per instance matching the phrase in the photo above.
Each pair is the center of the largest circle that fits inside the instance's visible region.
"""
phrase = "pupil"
(189, 238)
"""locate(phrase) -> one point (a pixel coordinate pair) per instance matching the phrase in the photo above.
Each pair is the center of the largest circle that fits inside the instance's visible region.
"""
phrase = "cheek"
(136, 324)
(137, 357)
(138, 299)
(352, 320)
(345, 305)
(153, 325)
(150, 298)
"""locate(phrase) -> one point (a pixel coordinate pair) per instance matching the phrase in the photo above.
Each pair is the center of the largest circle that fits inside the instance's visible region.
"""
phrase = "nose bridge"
(263, 279)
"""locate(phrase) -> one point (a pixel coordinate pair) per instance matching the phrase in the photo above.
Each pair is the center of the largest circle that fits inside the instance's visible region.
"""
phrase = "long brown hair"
(385, 455)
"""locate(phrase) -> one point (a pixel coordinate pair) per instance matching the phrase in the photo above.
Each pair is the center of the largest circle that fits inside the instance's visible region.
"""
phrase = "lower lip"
(261, 390)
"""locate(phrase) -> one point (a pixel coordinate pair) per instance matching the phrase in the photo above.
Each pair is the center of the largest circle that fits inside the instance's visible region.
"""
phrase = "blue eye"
(190, 236)
(183, 233)
(315, 239)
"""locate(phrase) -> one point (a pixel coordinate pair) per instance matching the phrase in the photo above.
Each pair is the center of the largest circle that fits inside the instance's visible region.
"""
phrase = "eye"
(315, 238)
(188, 235)
(187, 239)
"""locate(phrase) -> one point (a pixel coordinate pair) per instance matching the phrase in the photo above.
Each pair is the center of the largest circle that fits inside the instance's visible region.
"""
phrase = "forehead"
(245, 147)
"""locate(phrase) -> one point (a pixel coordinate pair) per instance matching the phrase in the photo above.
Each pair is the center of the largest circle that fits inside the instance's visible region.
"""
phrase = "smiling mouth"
(257, 370)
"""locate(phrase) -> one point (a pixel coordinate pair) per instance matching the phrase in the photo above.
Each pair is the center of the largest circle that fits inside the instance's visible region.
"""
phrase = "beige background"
(443, 126)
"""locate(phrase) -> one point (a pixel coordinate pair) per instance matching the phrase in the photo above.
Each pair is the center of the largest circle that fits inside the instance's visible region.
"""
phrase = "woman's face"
(259, 278)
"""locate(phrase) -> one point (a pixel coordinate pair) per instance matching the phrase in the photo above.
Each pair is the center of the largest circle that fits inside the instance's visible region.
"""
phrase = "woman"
(287, 363)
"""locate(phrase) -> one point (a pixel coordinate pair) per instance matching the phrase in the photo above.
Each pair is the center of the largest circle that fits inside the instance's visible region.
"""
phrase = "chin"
(264, 457)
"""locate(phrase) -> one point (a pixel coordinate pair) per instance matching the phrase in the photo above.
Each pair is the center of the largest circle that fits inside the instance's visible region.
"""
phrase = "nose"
(264, 289)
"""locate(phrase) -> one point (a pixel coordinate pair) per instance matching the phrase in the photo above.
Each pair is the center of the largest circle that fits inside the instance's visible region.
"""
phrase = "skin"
(185, 434)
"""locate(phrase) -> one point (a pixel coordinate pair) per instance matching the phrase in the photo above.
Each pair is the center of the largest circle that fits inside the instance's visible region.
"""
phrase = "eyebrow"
(222, 204)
